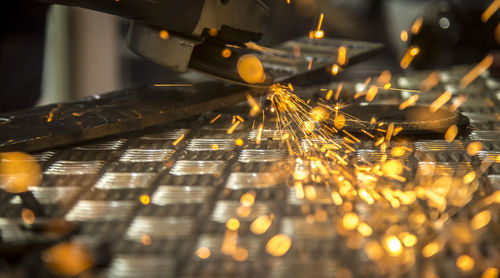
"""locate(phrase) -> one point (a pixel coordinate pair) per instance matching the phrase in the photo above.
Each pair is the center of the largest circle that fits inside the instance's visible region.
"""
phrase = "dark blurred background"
(53, 53)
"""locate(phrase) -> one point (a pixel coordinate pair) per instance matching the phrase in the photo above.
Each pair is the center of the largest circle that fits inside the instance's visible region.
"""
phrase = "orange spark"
(215, 119)
(409, 102)
(476, 71)
(233, 127)
(415, 27)
(342, 55)
(178, 140)
(404, 35)
(492, 8)
(164, 34)
(440, 101)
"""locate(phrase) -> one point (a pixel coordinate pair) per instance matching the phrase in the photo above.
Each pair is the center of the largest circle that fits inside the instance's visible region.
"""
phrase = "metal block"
(51, 195)
(140, 265)
(125, 180)
(161, 227)
(240, 180)
(489, 156)
(140, 155)
(90, 210)
(443, 168)
(104, 146)
(166, 135)
(197, 167)
(480, 135)
(438, 145)
(267, 134)
(167, 195)
(64, 167)
(255, 155)
(210, 145)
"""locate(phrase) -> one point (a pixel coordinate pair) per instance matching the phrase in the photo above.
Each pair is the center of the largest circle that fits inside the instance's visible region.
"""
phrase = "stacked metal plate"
(159, 199)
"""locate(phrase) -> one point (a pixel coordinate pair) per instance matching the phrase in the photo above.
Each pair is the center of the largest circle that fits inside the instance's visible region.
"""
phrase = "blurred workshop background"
(63, 53)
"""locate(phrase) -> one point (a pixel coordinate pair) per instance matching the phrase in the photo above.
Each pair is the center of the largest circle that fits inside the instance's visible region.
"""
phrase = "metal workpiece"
(187, 198)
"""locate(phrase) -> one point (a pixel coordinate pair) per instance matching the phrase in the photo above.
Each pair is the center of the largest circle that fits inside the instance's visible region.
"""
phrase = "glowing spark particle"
(250, 69)
(239, 142)
(335, 69)
(309, 126)
(408, 57)
(146, 240)
(233, 224)
(212, 32)
(240, 254)
(393, 246)
(476, 71)
(387, 85)
(255, 107)
(28, 216)
(390, 130)
(415, 27)
(384, 78)
(173, 85)
(178, 140)
(465, 263)
(404, 35)
(451, 133)
(67, 259)
(474, 148)
(261, 224)
(278, 245)
(408, 239)
(229, 242)
(233, 127)
(18, 171)
(430, 249)
(490, 272)
(215, 119)
(480, 220)
(342, 55)
(374, 250)
(329, 94)
(145, 199)
(226, 53)
(247, 199)
(203, 253)
(399, 151)
(164, 34)
(392, 167)
(457, 102)
(350, 221)
(214, 147)
(243, 211)
(469, 177)
(372, 92)
(440, 101)
(339, 121)
(492, 8)
(337, 199)
(430, 81)
(258, 138)
(337, 93)
(364, 229)
(319, 114)
(310, 192)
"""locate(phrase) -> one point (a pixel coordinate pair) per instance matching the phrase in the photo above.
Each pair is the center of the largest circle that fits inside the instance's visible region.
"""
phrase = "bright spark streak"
(476, 71)
(492, 8)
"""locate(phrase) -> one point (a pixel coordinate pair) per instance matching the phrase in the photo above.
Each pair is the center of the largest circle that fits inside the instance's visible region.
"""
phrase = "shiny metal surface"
(156, 203)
